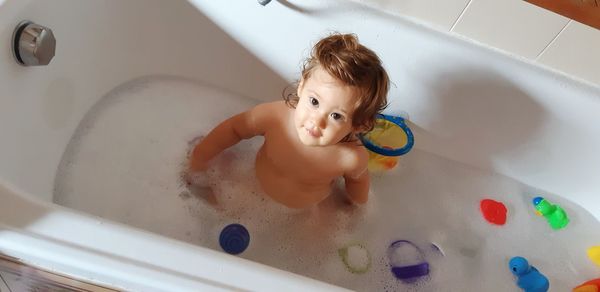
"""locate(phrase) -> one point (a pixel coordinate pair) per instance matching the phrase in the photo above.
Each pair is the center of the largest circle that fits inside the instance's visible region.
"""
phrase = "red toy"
(493, 211)
(589, 286)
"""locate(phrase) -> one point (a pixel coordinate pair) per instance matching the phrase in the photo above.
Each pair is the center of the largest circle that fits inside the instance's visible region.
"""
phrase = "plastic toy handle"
(406, 273)
(391, 152)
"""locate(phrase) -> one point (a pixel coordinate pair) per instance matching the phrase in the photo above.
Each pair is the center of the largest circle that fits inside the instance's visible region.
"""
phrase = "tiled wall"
(514, 26)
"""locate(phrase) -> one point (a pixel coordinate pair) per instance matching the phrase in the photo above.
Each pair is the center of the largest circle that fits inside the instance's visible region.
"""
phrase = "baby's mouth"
(313, 132)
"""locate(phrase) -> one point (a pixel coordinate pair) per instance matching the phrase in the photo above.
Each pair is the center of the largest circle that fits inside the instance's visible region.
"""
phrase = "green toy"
(556, 216)
(356, 258)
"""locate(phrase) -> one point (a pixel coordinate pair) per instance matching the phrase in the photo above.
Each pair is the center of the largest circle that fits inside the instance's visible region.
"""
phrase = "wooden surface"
(584, 11)
(16, 276)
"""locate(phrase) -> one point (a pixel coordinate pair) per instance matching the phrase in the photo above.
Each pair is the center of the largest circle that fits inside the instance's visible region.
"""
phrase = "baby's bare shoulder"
(265, 115)
(274, 107)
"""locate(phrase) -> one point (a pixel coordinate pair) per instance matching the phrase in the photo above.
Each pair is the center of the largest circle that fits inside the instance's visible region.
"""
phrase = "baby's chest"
(309, 166)
(305, 162)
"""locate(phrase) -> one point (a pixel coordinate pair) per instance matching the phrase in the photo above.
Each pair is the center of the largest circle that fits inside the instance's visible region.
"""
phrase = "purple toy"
(407, 273)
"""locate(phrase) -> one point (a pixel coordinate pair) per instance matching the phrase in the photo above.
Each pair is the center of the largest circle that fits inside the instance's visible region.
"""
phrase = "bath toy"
(389, 139)
(536, 201)
(493, 211)
(234, 238)
(589, 286)
(356, 258)
(554, 214)
(528, 277)
(594, 254)
(400, 253)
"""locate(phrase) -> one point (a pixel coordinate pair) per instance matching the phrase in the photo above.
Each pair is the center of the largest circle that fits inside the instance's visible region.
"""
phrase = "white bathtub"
(467, 103)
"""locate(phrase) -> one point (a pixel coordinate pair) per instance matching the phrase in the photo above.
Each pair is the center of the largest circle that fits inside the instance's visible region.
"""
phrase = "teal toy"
(554, 214)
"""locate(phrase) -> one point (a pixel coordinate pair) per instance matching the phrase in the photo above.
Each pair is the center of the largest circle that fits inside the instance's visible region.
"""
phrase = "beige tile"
(511, 25)
(576, 51)
(441, 14)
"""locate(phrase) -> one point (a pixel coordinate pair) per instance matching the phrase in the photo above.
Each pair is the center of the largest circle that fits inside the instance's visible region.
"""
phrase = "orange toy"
(589, 286)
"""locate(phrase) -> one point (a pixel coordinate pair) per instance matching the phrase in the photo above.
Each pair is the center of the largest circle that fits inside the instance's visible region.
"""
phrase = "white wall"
(514, 26)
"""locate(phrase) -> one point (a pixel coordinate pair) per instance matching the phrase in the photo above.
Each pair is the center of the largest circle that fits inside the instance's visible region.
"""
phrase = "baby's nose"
(320, 121)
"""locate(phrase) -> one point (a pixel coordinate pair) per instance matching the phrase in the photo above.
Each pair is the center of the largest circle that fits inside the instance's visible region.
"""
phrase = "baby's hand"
(195, 164)
(199, 186)
(196, 178)
(192, 144)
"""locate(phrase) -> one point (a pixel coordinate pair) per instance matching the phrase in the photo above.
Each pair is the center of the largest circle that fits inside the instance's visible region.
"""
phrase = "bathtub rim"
(164, 265)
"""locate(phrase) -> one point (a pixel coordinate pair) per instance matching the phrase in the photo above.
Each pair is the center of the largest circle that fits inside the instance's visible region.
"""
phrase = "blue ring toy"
(391, 152)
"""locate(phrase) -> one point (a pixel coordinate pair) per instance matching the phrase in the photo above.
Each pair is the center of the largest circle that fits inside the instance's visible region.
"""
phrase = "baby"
(310, 138)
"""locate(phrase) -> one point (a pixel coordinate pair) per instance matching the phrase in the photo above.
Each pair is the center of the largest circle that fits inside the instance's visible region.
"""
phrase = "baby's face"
(323, 115)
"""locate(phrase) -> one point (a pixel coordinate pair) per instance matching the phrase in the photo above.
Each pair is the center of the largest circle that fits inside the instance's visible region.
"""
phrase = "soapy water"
(125, 163)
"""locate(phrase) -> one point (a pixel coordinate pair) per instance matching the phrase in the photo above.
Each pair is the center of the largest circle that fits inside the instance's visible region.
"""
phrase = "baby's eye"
(313, 101)
(337, 116)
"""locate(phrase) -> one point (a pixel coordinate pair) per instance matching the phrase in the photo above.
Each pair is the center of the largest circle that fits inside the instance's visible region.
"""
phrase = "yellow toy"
(594, 254)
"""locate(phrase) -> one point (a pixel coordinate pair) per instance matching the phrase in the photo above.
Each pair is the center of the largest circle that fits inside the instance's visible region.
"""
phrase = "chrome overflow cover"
(33, 44)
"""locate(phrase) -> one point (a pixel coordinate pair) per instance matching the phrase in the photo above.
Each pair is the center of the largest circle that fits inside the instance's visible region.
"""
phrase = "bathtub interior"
(486, 125)
(48, 102)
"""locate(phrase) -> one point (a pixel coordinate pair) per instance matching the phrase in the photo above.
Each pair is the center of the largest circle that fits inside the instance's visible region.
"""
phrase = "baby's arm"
(357, 179)
(225, 135)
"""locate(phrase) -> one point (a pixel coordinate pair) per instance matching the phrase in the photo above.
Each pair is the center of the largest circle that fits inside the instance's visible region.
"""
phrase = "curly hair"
(344, 58)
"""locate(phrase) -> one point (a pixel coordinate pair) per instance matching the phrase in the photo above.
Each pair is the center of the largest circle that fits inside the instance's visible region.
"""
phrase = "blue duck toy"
(528, 277)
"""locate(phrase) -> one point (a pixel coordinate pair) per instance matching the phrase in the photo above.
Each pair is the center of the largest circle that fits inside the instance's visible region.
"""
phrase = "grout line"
(552, 41)
(461, 15)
